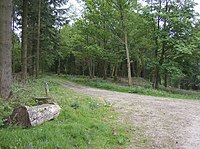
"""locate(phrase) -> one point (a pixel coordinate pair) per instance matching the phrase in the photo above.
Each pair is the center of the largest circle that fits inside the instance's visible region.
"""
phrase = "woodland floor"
(167, 123)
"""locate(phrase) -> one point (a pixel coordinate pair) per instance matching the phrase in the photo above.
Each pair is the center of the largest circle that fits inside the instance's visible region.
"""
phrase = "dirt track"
(168, 123)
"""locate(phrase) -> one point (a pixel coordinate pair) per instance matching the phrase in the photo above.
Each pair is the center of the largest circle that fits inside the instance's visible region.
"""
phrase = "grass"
(142, 89)
(83, 122)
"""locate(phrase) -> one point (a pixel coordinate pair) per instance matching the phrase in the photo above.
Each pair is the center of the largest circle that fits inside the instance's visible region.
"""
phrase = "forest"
(155, 40)
(142, 48)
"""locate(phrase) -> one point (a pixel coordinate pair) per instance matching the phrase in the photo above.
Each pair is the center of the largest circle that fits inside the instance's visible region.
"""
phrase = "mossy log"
(26, 116)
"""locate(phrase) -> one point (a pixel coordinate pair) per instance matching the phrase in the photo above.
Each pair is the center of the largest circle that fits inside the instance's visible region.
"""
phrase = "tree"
(157, 42)
(171, 26)
(106, 22)
(24, 39)
(122, 8)
(38, 40)
(38, 20)
(5, 48)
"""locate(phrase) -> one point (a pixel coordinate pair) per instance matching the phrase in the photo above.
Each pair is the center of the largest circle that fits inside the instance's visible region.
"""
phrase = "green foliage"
(161, 36)
(52, 18)
(82, 123)
(163, 40)
(172, 33)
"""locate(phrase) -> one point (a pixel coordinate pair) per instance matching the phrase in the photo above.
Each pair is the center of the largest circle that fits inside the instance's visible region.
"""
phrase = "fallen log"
(26, 116)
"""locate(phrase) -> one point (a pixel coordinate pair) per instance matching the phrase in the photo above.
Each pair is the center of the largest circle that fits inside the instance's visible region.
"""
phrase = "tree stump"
(26, 116)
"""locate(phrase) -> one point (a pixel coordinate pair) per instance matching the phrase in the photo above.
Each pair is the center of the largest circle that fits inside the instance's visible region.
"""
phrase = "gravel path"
(169, 123)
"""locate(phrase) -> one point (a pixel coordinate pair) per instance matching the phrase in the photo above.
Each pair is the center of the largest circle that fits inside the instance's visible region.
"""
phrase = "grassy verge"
(142, 89)
(82, 123)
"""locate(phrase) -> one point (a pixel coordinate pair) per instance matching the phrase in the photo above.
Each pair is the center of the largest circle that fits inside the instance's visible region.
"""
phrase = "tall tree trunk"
(33, 60)
(5, 48)
(126, 45)
(13, 39)
(38, 40)
(24, 39)
(156, 75)
(128, 59)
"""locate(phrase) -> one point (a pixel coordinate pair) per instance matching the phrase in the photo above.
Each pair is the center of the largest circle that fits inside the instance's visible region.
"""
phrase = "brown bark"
(5, 48)
(128, 60)
(126, 45)
(156, 71)
(38, 40)
(24, 39)
(160, 60)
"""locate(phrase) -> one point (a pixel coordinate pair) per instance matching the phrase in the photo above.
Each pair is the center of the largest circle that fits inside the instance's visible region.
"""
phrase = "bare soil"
(168, 123)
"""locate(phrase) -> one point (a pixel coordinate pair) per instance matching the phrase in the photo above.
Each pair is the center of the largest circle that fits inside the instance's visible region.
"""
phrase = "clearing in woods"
(168, 123)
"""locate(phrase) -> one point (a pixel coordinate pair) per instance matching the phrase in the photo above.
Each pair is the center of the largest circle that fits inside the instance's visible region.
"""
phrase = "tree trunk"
(93, 69)
(38, 40)
(116, 72)
(5, 48)
(90, 68)
(156, 79)
(128, 60)
(126, 45)
(105, 71)
(24, 39)
(139, 69)
(33, 60)
(30, 57)
(83, 67)
(112, 70)
(165, 79)
(58, 68)
(13, 38)
(31, 116)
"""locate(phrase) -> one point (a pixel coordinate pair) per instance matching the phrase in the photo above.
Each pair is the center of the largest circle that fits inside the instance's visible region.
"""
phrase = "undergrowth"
(83, 121)
(142, 89)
